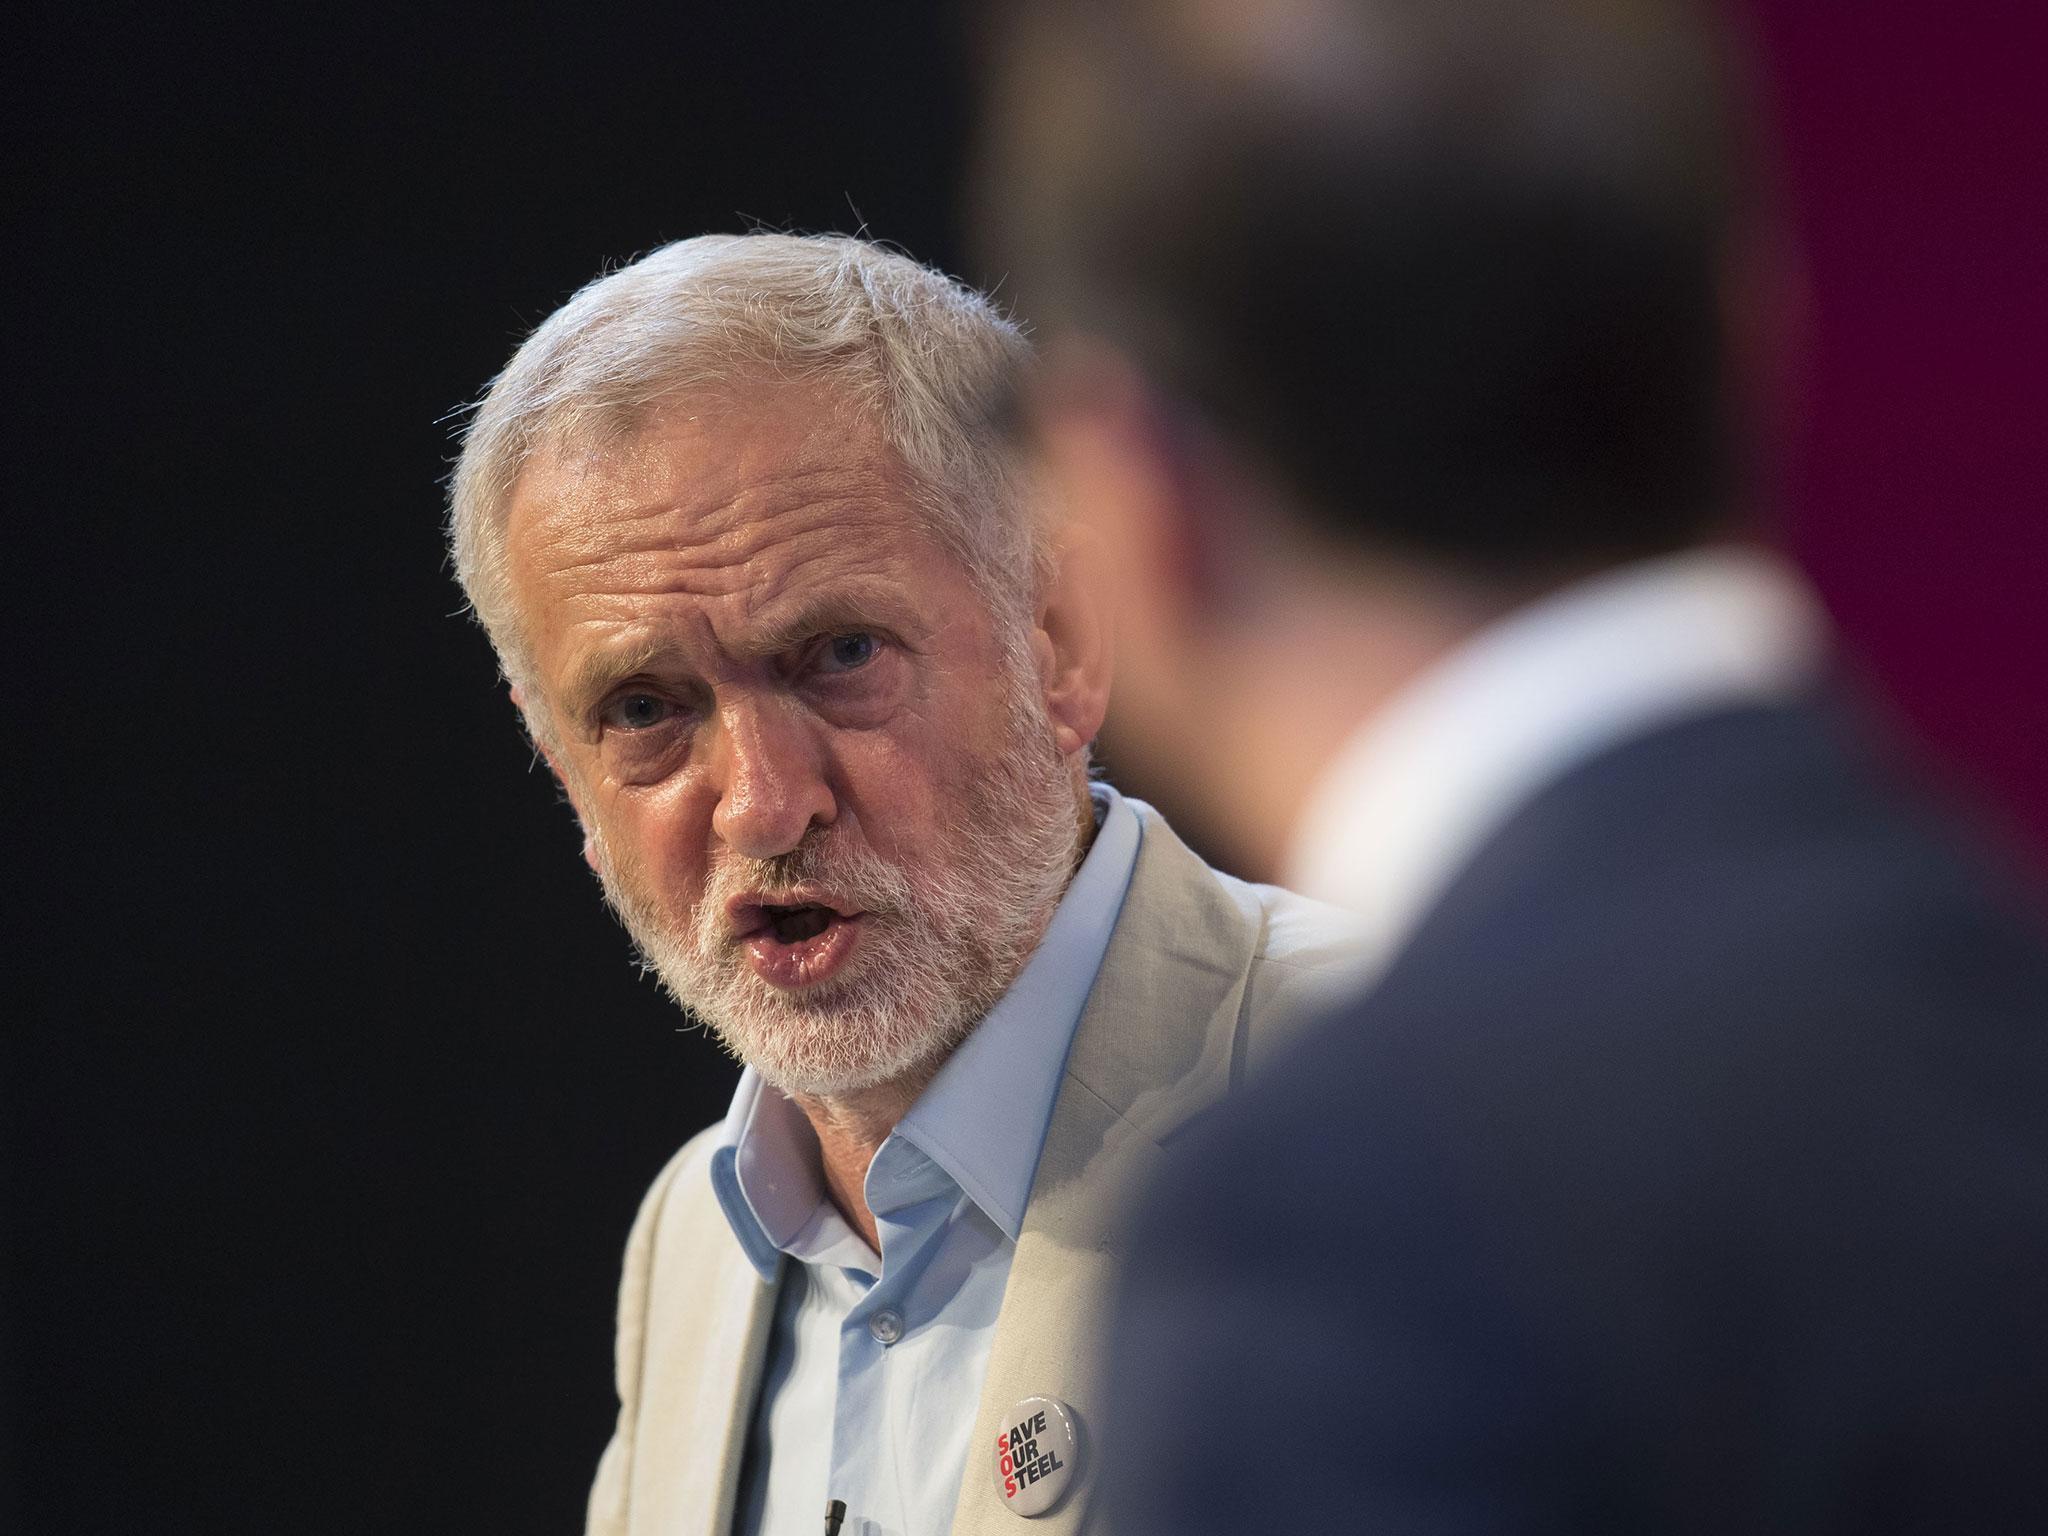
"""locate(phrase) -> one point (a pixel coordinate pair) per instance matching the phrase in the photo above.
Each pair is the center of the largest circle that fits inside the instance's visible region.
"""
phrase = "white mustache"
(853, 875)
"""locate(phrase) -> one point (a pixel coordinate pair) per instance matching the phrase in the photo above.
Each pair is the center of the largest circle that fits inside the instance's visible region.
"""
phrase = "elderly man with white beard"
(820, 677)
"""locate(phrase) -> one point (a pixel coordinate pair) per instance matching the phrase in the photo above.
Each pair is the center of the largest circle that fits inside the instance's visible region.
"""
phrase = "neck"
(851, 1128)
(1311, 672)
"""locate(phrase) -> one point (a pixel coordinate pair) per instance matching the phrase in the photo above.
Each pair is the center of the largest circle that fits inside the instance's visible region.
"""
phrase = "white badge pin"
(1037, 1454)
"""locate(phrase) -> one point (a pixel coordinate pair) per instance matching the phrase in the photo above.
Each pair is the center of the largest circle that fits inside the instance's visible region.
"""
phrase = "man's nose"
(772, 785)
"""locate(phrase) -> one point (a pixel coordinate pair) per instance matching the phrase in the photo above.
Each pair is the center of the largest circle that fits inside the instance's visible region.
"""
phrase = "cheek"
(897, 785)
(660, 837)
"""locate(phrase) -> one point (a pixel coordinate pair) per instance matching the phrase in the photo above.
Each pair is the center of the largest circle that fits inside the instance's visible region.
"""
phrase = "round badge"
(1037, 1452)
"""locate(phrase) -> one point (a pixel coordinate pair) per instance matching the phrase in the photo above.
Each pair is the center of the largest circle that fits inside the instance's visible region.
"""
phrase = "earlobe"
(1073, 640)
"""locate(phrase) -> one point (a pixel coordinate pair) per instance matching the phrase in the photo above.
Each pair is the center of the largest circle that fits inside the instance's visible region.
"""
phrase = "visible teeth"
(795, 924)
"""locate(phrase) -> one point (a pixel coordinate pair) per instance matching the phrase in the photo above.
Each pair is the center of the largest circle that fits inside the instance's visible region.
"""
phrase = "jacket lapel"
(1157, 1043)
(696, 1411)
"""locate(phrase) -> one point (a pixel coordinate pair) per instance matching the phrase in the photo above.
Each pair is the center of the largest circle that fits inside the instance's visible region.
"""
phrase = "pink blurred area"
(1915, 153)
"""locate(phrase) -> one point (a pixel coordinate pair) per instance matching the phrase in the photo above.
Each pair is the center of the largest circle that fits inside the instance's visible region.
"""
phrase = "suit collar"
(1160, 1040)
(697, 1384)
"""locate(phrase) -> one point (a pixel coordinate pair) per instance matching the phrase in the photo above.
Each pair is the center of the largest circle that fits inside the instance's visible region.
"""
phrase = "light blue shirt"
(875, 1362)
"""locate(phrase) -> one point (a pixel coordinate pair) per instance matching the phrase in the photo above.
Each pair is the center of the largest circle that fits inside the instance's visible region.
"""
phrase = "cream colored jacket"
(1203, 975)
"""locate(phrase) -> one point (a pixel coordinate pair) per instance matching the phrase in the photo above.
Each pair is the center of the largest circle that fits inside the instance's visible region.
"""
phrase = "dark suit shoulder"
(1692, 1154)
(1731, 960)
(1748, 865)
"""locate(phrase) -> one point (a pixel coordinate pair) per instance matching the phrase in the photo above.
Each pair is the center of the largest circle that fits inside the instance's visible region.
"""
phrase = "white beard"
(942, 939)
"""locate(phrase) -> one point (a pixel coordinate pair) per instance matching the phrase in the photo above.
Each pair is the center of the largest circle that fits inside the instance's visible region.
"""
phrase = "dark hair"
(1449, 269)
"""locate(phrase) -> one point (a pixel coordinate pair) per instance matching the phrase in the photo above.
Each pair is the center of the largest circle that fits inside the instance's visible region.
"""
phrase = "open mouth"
(794, 944)
(791, 925)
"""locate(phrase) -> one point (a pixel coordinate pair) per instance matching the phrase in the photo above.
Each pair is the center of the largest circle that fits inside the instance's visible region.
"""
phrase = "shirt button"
(887, 1327)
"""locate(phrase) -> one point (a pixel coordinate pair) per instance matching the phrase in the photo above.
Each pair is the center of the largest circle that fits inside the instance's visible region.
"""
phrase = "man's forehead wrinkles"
(754, 572)
(657, 551)
(762, 513)
(816, 566)
(568, 540)
(708, 492)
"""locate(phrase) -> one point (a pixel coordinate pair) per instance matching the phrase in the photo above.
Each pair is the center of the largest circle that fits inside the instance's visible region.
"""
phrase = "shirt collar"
(1421, 783)
(983, 1118)
(768, 1204)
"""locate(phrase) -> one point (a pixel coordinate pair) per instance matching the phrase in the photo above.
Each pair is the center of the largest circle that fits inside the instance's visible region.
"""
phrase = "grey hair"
(929, 361)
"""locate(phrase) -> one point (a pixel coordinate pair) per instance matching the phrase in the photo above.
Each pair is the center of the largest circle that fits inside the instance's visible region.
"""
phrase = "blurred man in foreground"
(1682, 1163)
(820, 678)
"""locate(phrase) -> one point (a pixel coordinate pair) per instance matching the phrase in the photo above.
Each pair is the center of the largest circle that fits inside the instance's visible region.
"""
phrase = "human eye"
(638, 710)
(847, 652)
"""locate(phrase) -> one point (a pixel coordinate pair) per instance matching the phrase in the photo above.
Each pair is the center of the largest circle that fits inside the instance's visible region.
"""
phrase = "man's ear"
(539, 739)
(1072, 642)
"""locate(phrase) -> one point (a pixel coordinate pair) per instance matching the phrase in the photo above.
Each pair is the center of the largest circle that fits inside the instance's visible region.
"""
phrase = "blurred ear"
(1110, 449)
(538, 737)
(1072, 644)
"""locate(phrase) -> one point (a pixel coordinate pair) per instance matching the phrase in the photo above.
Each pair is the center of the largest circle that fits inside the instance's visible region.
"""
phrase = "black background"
(336, 1091)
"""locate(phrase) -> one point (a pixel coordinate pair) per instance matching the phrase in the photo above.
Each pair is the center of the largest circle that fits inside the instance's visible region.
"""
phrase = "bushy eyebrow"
(596, 676)
(867, 606)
